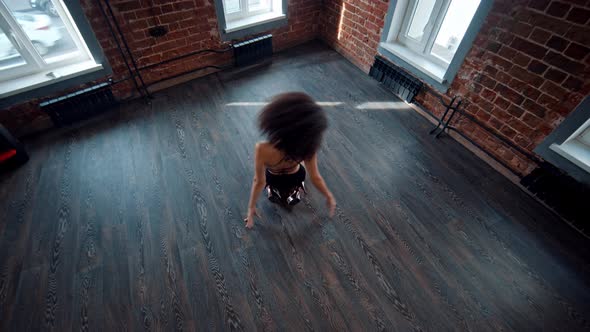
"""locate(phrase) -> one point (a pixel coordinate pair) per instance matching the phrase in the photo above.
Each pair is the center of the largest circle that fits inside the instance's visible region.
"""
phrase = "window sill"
(574, 151)
(251, 21)
(31, 82)
(432, 70)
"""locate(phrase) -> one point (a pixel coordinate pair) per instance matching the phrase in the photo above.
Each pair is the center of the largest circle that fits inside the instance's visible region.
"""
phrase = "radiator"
(401, 83)
(253, 50)
(80, 105)
(565, 195)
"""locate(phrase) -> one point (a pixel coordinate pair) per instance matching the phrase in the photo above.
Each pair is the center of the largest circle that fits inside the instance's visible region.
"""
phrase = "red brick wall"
(192, 25)
(527, 70)
(357, 35)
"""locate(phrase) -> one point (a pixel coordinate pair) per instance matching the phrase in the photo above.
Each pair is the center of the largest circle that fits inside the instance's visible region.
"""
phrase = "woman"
(294, 125)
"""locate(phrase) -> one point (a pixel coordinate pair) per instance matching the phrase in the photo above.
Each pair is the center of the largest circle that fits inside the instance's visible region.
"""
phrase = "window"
(433, 28)
(39, 44)
(243, 14)
(584, 138)
(238, 9)
(427, 34)
(568, 146)
(576, 148)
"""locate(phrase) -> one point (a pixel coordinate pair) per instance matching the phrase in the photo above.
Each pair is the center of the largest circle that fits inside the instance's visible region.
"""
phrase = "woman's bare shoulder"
(263, 146)
(268, 153)
(265, 149)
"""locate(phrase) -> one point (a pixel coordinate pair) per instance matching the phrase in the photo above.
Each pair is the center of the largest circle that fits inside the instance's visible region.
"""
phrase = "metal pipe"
(501, 162)
(110, 9)
(126, 78)
(498, 160)
(171, 60)
(441, 121)
(184, 56)
(187, 72)
(502, 138)
(489, 131)
(448, 123)
(119, 48)
(442, 101)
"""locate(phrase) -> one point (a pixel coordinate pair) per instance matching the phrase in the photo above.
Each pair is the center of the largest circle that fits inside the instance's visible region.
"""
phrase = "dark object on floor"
(561, 192)
(253, 50)
(401, 83)
(80, 105)
(12, 153)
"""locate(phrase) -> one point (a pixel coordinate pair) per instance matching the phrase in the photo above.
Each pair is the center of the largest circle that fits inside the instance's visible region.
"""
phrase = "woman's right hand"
(249, 220)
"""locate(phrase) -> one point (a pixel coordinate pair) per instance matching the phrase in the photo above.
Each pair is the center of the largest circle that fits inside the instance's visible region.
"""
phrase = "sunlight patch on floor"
(370, 105)
(382, 105)
(261, 103)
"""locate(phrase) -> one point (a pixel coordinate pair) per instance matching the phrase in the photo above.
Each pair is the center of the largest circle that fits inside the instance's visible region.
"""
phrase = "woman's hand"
(250, 217)
(331, 203)
(318, 182)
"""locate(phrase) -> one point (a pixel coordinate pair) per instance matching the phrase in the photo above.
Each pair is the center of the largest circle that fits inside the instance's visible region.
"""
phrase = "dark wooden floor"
(134, 222)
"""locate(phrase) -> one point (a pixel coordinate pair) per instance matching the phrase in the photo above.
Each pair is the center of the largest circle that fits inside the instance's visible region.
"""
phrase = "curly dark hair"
(294, 124)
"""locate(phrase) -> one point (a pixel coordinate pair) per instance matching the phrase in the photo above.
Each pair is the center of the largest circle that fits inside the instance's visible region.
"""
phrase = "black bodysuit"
(285, 188)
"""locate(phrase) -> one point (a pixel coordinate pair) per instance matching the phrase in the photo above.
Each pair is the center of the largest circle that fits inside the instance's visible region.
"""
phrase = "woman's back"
(275, 160)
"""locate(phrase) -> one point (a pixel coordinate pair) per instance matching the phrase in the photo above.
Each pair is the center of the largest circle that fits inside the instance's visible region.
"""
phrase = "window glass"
(453, 28)
(45, 29)
(420, 17)
(9, 56)
(231, 6)
(39, 43)
(259, 5)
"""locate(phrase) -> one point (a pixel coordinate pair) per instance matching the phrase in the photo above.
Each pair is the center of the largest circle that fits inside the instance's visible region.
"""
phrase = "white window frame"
(25, 51)
(245, 18)
(576, 148)
(424, 47)
(418, 54)
(245, 11)
(35, 64)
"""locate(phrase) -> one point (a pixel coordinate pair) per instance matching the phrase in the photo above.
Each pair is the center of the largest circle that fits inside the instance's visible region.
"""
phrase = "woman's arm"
(318, 181)
(258, 184)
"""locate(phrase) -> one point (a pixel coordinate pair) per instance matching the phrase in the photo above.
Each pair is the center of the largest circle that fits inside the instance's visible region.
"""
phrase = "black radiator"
(253, 50)
(568, 197)
(80, 105)
(401, 83)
